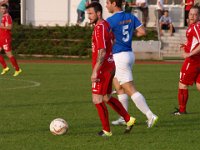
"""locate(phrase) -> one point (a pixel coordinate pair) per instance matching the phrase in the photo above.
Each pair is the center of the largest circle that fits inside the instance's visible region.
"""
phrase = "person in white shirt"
(159, 8)
(166, 23)
(143, 7)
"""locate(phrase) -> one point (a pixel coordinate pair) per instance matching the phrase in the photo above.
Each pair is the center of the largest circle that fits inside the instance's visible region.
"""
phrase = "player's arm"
(140, 31)
(197, 49)
(100, 60)
(7, 27)
(8, 23)
(100, 45)
(192, 53)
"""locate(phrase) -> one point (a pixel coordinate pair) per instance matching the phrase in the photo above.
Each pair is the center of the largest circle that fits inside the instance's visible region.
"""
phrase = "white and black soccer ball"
(58, 126)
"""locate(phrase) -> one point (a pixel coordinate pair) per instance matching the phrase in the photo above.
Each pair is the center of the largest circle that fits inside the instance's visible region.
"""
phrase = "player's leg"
(188, 76)
(13, 62)
(140, 103)
(117, 106)
(182, 99)
(125, 78)
(3, 63)
(123, 98)
(103, 114)
(97, 98)
(171, 29)
(113, 102)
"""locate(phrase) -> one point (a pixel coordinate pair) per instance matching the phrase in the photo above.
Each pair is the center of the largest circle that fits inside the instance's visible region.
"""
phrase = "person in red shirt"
(190, 71)
(5, 41)
(188, 5)
(103, 69)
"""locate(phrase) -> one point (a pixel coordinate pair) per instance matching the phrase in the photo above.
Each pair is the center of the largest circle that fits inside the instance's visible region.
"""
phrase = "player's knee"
(198, 86)
(96, 100)
(182, 86)
(106, 98)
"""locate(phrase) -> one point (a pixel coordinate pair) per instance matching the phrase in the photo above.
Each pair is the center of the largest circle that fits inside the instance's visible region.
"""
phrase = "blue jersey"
(123, 26)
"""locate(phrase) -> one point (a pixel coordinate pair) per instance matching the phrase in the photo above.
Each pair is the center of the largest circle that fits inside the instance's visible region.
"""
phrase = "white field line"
(32, 84)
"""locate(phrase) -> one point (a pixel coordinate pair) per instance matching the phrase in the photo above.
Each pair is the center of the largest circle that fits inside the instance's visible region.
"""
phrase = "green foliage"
(151, 34)
(72, 41)
(68, 40)
(64, 91)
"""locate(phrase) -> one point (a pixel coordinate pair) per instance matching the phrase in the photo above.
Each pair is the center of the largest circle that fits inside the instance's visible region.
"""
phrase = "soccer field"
(47, 91)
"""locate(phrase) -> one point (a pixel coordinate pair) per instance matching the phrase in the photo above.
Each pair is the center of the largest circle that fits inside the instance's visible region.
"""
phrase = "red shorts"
(104, 85)
(190, 72)
(5, 44)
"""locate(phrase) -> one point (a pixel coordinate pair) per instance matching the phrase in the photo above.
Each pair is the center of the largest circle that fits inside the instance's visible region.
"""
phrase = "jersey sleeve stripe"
(139, 26)
(104, 37)
(197, 33)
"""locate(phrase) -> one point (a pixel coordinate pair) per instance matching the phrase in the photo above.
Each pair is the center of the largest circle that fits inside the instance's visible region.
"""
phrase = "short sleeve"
(100, 37)
(136, 22)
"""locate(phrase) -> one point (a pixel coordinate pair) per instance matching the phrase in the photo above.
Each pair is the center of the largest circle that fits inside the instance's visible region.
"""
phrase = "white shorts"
(124, 62)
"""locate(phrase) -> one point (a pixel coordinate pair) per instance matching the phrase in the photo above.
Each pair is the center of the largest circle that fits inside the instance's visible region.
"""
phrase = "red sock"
(2, 61)
(182, 99)
(14, 63)
(117, 106)
(103, 115)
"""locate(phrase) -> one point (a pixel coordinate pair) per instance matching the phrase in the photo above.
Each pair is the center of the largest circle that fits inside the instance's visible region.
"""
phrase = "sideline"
(33, 84)
(89, 61)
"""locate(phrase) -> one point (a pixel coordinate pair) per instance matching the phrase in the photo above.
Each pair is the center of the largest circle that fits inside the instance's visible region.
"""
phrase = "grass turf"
(27, 109)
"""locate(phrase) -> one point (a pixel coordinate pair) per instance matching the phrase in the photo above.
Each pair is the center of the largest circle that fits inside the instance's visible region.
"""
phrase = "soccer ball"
(58, 126)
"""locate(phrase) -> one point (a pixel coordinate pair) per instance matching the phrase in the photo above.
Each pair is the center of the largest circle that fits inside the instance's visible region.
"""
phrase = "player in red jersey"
(5, 41)
(190, 71)
(103, 69)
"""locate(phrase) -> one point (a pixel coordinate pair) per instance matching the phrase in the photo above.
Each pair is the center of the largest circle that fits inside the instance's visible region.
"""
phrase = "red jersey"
(4, 33)
(193, 39)
(102, 39)
(188, 7)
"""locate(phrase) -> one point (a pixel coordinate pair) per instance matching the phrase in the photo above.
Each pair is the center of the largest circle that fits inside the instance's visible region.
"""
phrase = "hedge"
(68, 40)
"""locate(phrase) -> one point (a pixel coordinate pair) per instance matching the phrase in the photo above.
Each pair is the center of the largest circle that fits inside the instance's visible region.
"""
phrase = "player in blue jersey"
(124, 25)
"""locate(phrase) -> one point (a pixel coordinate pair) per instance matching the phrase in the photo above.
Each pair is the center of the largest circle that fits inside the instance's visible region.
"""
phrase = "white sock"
(123, 98)
(141, 104)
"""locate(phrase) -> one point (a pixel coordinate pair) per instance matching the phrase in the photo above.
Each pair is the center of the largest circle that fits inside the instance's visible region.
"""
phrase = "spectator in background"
(81, 11)
(166, 23)
(128, 6)
(91, 1)
(159, 9)
(188, 5)
(143, 7)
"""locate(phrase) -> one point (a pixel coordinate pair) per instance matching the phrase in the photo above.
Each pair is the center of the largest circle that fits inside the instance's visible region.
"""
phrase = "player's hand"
(94, 77)
(185, 55)
(182, 46)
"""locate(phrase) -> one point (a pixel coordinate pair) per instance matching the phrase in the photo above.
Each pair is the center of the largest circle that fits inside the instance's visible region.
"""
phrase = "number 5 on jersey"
(125, 33)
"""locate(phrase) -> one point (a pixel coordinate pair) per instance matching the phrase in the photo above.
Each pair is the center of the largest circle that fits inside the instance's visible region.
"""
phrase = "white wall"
(51, 13)
(46, 12)
(73, 7)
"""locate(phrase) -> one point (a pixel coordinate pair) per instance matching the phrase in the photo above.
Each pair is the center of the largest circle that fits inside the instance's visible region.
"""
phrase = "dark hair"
(118, 2)
(97, 7)
(196, 6)
(5, 6)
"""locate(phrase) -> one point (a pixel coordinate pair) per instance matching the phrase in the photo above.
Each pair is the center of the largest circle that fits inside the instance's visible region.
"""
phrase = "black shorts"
(165, 27)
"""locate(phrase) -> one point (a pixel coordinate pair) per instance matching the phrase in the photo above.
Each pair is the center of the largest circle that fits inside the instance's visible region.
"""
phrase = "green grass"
(64, 91)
